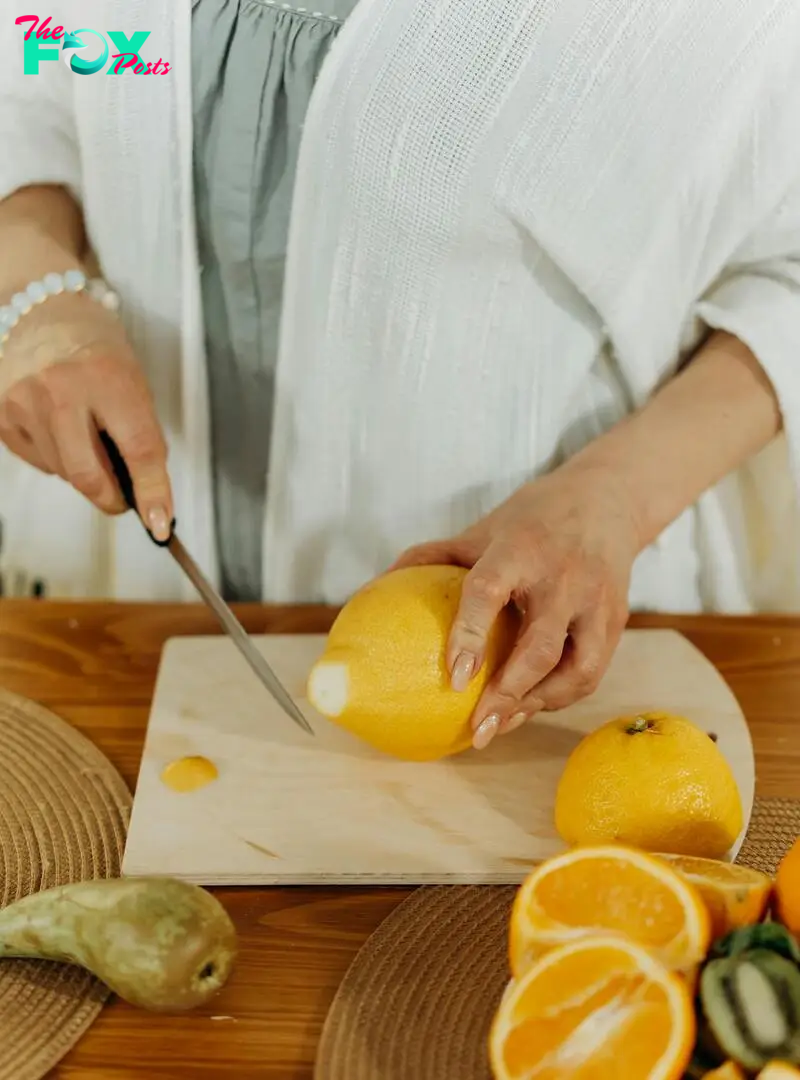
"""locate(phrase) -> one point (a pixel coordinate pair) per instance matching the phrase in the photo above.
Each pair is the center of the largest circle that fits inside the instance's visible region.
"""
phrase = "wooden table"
(95, 665)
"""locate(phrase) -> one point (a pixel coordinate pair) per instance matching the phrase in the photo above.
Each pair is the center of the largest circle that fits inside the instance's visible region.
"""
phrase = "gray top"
(254, 64)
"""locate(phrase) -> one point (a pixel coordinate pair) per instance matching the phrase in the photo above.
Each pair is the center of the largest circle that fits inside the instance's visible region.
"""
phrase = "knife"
(227, 620)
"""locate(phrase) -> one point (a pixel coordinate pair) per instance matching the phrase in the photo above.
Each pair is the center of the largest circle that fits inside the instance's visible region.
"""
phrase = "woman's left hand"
(562, 549)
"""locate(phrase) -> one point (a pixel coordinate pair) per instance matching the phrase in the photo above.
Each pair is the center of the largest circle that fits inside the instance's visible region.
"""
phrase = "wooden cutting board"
(289, 809)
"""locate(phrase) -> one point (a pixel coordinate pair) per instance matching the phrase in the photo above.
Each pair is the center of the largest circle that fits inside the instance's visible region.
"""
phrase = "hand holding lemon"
(558, 553)
(561, 550)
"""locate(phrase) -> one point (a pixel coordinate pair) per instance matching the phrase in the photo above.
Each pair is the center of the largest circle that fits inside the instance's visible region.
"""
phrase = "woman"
(541, 311)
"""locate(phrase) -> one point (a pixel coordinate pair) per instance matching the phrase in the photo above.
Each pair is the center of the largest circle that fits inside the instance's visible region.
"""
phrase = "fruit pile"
(628, 965)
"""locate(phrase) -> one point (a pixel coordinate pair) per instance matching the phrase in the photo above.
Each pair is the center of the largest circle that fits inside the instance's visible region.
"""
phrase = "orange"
(654, 781)
(588, 1006)
(383, 673)
(734, 895)
(729, 1071)
(779, 1070)
(787, 889)
(609, 888)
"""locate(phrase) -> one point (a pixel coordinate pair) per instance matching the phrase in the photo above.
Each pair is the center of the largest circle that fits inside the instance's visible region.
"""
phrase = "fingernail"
(159, 523)
(516, 721)
(463, 670)
(486, 731)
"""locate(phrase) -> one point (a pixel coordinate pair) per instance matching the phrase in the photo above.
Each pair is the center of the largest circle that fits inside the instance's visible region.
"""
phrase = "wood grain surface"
(95, 665)
(286, 809)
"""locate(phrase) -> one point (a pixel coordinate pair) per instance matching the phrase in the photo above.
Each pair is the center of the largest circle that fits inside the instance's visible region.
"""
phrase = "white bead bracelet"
(74, 281)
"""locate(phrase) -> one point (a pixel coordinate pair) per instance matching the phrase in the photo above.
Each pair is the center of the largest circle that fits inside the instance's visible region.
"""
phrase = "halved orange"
(779, 1070)
(729, 1071)
(609, 888)
(734, 895)
(595, 1009)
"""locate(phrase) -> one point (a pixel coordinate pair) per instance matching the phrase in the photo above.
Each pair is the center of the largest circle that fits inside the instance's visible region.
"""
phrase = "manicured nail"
(159, 523)
(486, 731)
(463, 670)
(516, 721)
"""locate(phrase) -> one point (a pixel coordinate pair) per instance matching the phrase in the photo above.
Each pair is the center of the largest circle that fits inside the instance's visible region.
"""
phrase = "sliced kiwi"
(751, 1001)
(767, 935)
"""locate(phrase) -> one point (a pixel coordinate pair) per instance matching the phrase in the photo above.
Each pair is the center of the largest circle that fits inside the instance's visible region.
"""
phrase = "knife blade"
(226, 618)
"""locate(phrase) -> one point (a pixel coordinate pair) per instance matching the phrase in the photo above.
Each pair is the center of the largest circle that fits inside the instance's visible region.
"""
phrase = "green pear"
(157, 942)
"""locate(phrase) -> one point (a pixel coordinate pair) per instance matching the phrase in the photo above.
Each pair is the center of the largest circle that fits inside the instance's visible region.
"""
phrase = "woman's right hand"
(67, 372)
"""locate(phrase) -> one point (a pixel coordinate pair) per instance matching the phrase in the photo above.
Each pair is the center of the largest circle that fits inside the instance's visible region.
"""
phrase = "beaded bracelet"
(74, 281)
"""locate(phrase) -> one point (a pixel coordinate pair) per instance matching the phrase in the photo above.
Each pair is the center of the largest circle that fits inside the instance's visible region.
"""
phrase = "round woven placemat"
(64, 811)
(419, 998)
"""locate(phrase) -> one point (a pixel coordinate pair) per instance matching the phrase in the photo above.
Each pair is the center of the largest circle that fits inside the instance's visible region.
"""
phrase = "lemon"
(654, 781)
(383, 673)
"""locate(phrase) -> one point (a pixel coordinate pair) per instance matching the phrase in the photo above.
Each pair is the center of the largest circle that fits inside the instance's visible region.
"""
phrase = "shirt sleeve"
(749, 525)
(757, 300)
(37, 117)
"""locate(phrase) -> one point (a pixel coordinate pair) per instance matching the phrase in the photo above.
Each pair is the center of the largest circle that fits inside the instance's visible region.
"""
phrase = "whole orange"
(654, 781)
(787, 889)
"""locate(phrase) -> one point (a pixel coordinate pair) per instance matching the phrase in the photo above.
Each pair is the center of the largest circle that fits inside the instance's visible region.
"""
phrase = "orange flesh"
(712, 870)
(613, 1026)
(734, 895)
(189, 773)
(728, 1071)
(613, 891)
(577, 974)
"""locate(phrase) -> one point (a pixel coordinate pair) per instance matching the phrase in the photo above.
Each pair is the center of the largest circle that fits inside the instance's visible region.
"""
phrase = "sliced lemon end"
(189, 773)
(329, 687)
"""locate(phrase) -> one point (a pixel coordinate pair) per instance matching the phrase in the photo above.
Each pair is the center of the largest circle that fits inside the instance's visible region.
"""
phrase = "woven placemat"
(64, 811)
(418, 1000)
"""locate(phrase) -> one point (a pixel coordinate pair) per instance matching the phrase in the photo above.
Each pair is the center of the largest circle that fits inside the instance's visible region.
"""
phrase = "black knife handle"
(123, 477)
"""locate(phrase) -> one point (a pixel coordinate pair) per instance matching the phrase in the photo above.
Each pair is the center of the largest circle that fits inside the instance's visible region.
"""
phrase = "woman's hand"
(67, 372)
(561, 548)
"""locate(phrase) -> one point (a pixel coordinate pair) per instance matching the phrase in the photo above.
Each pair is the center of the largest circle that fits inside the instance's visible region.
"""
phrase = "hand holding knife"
(228, 621)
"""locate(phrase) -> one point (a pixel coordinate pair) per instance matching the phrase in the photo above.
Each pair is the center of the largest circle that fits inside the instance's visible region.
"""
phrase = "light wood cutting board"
(289, 809)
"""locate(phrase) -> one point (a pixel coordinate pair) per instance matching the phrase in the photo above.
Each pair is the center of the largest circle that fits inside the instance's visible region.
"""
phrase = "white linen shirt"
(511, 224)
